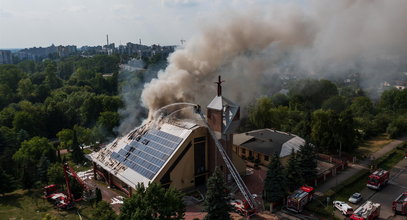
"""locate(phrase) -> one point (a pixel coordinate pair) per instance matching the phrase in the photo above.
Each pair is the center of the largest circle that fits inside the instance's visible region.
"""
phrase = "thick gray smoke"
(132, 78)
(320, 38)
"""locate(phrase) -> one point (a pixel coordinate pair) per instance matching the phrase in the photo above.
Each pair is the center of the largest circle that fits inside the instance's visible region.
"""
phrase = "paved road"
(397, 185)
(355, 168)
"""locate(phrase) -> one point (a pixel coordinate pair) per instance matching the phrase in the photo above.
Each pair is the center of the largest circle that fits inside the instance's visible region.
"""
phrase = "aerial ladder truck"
(248, 206)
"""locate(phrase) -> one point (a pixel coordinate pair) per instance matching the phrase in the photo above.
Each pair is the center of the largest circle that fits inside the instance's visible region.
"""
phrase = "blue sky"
(28, 23)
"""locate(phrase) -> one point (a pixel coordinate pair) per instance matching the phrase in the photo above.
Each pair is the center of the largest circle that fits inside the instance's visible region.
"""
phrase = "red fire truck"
(65, 200)
(367, 211)
(400, 204)
(378, 179)
(242, 207)
(300, 197)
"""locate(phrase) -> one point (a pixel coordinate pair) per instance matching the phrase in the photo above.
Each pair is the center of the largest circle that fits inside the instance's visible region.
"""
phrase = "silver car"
(355, 198)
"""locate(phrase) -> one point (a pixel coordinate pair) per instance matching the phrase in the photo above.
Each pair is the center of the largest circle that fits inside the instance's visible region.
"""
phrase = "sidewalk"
(355, 168)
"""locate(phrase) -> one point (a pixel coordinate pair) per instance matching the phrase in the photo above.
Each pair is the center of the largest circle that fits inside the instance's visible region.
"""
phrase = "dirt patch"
(373, 145)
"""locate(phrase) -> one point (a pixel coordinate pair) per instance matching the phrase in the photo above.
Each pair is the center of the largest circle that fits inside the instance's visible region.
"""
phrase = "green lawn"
(23, 204)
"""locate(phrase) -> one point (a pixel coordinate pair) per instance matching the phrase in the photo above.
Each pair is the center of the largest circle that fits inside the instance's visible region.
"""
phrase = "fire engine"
(367, 211)
(400, 204)
(378, 179)
(242, 207)
(64, 200)
(300, 197)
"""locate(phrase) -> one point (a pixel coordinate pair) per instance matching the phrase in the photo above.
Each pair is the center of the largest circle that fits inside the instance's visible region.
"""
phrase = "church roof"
(142, 154)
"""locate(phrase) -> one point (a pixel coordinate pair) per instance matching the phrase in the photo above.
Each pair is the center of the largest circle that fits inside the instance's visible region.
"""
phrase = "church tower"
(224, 118)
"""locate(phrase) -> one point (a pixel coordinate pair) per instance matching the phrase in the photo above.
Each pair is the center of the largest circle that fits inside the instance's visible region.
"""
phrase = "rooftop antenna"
(219, 82)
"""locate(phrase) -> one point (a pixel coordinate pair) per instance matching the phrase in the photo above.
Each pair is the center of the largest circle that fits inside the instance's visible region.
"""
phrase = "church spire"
(219, 82)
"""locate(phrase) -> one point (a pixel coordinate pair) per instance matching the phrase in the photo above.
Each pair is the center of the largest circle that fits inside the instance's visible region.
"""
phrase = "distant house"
(262, 144)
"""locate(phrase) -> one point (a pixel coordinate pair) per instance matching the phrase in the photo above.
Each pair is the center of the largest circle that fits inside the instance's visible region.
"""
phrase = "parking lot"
(397, 185)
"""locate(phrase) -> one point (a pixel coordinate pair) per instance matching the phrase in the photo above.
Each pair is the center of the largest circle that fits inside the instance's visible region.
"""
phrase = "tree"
(217, 197)
(42, 169)
(76, 188)
(293, 174)
(25, 121)
(77, 153)
(29, 155)
(307, 159)
(346, 132)
(55, 174)
(335, 103)
(154, 202)
(109, 120)
(259, 115)
(280, 99)
(7, 183)
(65, 137)
(25, 89)
(85, 136)
(103, 211)
(397, 127)
(274, 184)
(311, 93)
(51, 79)
(361, 106)
(324, 130)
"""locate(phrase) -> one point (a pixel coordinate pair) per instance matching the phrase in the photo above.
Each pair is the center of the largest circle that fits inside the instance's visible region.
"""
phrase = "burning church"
(174, 151)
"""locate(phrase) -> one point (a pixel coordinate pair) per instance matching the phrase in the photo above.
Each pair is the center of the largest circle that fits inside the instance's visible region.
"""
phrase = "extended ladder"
(239, 181)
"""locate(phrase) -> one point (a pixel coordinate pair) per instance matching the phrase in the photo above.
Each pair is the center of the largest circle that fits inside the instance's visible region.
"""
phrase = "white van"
(343, 207)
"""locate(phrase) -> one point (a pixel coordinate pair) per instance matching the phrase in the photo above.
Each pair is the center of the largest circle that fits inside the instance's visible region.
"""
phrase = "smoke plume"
(249, 49)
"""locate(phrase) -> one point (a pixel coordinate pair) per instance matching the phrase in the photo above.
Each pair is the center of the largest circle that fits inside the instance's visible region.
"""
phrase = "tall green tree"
(103, 211)
(324, 130)
(217, 199)
(42, 169)
(293, 172)
(308, 159)
(346, 132)
(275, 182)
(153, 202)
(77, 153)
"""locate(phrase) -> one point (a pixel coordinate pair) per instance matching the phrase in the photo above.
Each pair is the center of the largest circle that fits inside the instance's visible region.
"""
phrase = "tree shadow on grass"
(11, 199)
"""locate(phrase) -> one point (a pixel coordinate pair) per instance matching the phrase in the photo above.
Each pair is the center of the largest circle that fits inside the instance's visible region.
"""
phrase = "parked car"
(355, 198)
(343, 207)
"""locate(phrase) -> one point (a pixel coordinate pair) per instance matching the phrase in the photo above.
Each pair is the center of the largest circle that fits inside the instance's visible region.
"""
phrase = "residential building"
(262, 144)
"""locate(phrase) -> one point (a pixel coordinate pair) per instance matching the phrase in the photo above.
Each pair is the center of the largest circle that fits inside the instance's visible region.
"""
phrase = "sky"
(29, 23)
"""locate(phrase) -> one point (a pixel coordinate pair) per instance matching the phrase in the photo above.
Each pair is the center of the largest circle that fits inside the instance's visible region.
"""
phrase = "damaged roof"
(142, 154)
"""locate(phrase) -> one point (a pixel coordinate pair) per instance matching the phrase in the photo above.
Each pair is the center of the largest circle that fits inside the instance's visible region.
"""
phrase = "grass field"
(373, 144)
(24, 204)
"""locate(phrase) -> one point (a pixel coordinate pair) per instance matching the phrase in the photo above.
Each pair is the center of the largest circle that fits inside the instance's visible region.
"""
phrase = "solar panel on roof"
(148, 154)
